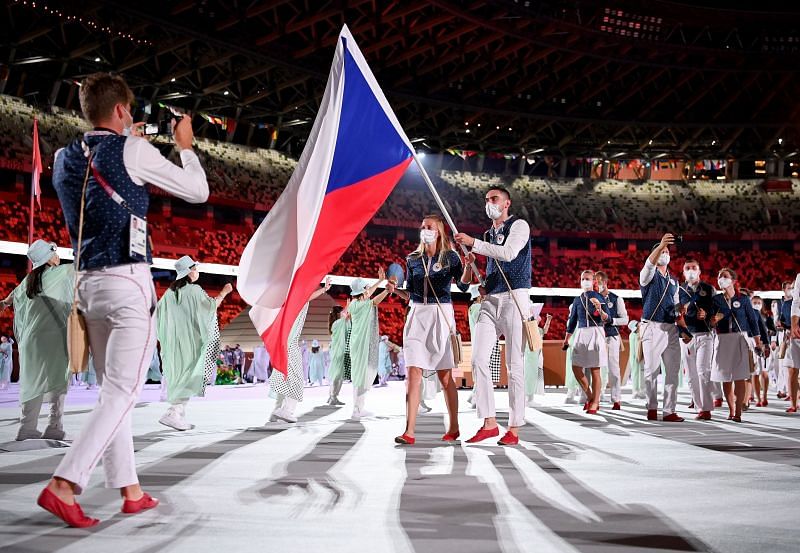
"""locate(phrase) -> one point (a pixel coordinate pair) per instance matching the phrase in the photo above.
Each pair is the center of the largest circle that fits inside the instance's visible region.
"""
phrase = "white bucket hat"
(315, 344)
(40, 252)
(183, 266)
(473, 292)
(358, 286)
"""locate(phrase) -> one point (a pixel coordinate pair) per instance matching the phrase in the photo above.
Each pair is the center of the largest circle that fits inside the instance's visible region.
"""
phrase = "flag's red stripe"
(345, 212)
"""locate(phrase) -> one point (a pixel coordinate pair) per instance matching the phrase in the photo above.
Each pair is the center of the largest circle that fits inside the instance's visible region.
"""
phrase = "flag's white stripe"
(280, 244)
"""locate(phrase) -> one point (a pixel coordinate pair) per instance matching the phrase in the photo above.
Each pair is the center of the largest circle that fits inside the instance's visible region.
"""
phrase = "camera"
(161, 128)
(678, 238)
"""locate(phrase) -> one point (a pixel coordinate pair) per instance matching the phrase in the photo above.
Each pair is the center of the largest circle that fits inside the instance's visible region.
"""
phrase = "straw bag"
(455, 338)
(77, 336)
(530, 329)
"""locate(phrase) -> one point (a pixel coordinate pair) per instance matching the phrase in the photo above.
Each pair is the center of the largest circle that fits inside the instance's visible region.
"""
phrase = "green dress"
(532, 368)
(363, 343)
(184, 318)
(40, 326)
(338, 330)
(570, 381)
(634, 366)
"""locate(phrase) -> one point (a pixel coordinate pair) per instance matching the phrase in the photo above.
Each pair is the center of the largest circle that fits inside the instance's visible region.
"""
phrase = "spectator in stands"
(734, 320)
(189, 335)
(115, 293)
(42, 303)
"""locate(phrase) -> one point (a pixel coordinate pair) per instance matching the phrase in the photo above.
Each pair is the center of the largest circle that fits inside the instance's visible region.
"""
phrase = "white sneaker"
(424, 409)
(284, 416)
(359, 414)
(173, 420)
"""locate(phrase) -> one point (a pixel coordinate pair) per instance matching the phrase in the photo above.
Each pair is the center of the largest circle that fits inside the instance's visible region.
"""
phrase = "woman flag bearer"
(588, 314)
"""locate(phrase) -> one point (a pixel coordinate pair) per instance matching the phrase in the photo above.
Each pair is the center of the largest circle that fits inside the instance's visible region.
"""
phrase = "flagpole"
(33, 194)
(446, 214)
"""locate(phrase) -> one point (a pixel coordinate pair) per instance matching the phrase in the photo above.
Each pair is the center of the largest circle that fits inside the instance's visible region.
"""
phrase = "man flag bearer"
(507, 245)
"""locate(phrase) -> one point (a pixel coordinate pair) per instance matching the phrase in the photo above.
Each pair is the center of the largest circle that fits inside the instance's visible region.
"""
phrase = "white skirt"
(731, 358)
(589, 347)
(792, 357)
(426, 337)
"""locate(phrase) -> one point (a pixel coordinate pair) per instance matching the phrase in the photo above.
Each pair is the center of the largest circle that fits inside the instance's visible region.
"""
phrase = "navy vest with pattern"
(518, 270)
(106, 230)
(652, 293)
(701, 298)
(611, 303)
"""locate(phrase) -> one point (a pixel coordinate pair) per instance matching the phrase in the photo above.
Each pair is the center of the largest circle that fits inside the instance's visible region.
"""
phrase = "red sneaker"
(616, 406)
(145, 502)
(484, 434)
(703, 416)
(673, 417)
(652, 414)
(781, 395)
(405, 439)
(792, 410)
(718, 402)
(451, 437)
(509, 439)
(71, 514)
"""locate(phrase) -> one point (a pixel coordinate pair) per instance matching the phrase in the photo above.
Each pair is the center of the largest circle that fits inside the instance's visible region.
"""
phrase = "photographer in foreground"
(115, 289)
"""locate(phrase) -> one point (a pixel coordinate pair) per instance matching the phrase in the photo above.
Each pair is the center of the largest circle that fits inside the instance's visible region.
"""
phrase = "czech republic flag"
(353, 158)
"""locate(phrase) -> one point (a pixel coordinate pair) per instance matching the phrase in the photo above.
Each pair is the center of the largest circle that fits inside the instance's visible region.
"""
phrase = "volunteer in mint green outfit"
(533, 361)
(41, 305)
(634, 370)
(363, 310)
(337, 325)
(185, 319)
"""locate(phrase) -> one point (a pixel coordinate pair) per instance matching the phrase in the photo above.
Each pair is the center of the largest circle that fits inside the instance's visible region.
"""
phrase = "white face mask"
(586, 285)
(427, 236)
(663, 259)
(691, 274)
(757, 306)
(493, 212)
(601, 288)
(724, 282)
(128, 129)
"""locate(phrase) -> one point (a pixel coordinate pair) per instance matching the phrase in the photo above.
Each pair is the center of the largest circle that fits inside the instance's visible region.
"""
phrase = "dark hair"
(178, 284)
(315, 349)
(100, 92)
(691, 260)
(601, 274)
(501, 189)
(333, 316)
(33, 282)
(785, 283)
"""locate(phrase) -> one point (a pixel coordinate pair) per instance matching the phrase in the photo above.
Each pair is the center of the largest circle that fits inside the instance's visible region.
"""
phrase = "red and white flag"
(36, 169)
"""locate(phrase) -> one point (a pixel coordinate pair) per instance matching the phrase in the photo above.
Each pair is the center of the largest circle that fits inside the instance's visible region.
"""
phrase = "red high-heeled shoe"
(71, 514)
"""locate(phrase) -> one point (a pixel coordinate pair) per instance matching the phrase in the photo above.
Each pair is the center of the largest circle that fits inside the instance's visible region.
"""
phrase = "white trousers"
(696, 356)
(660, 342)
(499, 316)
(119, 306)
(613, 344)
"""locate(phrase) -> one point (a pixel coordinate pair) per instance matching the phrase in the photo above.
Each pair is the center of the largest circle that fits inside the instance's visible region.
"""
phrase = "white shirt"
(622, 320)
(146, 165)
(517, 238)
(796, 297)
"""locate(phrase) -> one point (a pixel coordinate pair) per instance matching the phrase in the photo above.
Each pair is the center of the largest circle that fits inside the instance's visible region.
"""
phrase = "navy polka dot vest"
(106, 223)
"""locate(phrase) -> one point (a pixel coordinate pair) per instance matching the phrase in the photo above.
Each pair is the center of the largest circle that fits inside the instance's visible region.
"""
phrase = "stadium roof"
(617, 78)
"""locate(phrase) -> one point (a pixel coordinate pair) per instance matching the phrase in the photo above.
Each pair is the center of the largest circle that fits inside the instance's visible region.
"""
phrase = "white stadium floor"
(608, 483)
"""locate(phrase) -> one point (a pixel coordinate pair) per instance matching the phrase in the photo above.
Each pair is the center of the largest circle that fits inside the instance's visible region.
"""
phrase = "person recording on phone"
(115, 288)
